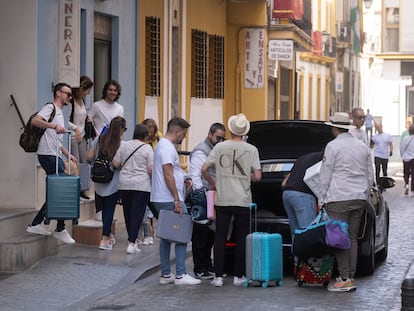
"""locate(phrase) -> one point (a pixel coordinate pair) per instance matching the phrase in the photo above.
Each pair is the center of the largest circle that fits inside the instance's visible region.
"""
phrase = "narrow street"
(378, 292)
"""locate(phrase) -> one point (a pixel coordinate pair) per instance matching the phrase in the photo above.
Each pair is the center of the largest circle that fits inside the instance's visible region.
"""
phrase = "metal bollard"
(407, 293)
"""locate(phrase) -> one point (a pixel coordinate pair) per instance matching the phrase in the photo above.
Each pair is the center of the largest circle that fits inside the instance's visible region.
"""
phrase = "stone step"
(89, 232)
(14, 221)
(20, 252)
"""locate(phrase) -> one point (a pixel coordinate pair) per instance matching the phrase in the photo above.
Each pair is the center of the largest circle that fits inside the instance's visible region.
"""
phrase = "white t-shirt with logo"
(234, 161)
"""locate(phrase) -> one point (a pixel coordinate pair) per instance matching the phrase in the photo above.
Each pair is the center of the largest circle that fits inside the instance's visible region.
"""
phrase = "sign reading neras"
(281, 50)
(254, 58)
(69, 42)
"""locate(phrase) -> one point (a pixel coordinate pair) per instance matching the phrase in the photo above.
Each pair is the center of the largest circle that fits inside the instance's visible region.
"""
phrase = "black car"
(280, 143)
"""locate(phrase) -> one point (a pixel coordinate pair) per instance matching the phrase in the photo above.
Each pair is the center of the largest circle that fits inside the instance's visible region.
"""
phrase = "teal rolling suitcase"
(62, 196)
(264, 257)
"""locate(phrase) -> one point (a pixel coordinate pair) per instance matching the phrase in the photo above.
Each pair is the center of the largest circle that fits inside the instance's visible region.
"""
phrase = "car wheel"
(383, 253)
(368, 262)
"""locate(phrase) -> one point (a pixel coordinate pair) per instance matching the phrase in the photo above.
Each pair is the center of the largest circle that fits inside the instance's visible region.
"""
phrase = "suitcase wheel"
(74, 221)
(264, 284)
(246, 283)
(279, 283)
(47, 221)
(300, 284)
(325, 284)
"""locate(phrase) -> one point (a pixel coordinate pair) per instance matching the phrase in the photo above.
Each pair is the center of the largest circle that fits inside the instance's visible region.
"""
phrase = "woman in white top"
(78, 117)
(135, 159)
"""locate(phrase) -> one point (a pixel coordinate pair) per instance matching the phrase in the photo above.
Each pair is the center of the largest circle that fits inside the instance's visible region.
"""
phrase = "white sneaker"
(239, 281)
(113, 241)
(105, 244)
(64, 236)
(133, 249)
(151, 240)
(167, 279)
(217, 282)
(98, 216)
(186, 279)
(146, 241)
(38, 229)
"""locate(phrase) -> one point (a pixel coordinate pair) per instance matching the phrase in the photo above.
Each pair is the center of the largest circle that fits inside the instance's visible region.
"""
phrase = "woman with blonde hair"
(107, 145)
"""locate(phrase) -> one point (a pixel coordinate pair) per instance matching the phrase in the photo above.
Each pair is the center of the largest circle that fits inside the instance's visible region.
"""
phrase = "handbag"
(198, 203)
(211, 212)
(321, 237)
(90, 132)
(174, 227)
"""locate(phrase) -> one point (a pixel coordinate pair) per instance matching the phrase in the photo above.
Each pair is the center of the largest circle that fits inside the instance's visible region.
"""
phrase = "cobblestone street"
(378, 292)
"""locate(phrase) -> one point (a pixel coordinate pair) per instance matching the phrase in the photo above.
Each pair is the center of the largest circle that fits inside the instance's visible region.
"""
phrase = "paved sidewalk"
(78, 275)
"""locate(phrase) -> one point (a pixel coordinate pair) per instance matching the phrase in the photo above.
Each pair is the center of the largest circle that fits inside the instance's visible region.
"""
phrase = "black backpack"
(30, 138)
(102, 170)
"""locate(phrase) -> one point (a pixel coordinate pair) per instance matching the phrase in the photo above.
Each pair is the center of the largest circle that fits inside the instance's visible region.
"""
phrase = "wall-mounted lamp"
(368, 3)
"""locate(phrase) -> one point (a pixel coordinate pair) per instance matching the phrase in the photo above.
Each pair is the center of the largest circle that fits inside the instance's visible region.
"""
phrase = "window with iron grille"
(199, 64)
(216, 67)
(152, 56)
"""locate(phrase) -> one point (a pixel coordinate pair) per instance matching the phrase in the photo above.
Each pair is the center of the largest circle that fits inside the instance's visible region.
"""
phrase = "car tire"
(383, 253)
(368, 262)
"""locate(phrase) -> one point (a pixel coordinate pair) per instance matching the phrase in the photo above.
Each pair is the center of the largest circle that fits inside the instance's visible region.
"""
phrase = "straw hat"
(341, 120)
(238, 124)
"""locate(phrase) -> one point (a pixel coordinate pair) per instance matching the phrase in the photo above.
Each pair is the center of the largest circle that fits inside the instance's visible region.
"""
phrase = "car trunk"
(280, 143)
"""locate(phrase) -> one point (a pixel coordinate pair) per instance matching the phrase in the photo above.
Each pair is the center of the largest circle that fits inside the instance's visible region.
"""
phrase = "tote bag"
(321, 237)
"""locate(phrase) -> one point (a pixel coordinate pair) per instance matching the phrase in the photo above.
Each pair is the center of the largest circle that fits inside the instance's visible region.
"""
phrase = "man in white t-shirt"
(101, 113)
(51, 141)
(104, 110)
(167, 193)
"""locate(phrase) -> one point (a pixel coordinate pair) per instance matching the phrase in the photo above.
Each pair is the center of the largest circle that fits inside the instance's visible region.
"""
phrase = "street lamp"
(368, 3)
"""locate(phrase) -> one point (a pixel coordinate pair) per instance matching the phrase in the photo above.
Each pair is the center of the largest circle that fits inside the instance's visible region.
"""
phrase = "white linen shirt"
(198, 158)
(346, 172)
(359, 134)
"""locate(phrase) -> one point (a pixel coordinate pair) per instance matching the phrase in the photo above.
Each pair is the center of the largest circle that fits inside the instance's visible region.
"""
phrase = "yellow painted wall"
(208, 16)
(252, 102)
(145, 9)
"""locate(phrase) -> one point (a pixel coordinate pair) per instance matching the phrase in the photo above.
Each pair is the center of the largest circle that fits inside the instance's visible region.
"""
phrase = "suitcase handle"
(69, 132)
(253, 206)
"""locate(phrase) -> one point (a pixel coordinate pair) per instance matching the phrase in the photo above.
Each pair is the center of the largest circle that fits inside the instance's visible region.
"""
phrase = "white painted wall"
(18, 77)
(204, 112)
(407, 26)
(28, 62)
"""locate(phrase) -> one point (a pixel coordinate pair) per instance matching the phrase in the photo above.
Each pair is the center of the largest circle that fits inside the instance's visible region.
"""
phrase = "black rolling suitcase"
(62, 196)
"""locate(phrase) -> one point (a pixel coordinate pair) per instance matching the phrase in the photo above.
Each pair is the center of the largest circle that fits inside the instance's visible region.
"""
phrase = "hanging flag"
(356, 25)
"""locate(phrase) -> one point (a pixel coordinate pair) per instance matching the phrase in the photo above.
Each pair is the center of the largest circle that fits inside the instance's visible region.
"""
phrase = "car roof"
(288, 139)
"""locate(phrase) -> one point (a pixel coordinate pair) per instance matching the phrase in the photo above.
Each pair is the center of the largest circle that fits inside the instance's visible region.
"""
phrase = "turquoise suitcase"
(264, 257)
(62, 196)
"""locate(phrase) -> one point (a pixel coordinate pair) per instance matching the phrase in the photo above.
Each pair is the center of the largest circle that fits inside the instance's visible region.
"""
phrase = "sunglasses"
(219, 138)
(67, 93)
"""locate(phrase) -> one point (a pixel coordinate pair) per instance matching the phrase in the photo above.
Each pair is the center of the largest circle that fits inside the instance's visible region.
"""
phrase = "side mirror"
(386, 182)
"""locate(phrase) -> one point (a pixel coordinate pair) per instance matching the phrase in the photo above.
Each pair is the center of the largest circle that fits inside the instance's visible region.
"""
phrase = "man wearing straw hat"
(346, 177)
(237, 164)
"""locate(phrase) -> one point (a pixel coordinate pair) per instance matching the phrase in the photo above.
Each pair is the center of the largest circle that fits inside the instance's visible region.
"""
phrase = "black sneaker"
(204, 275)
(83, 195)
